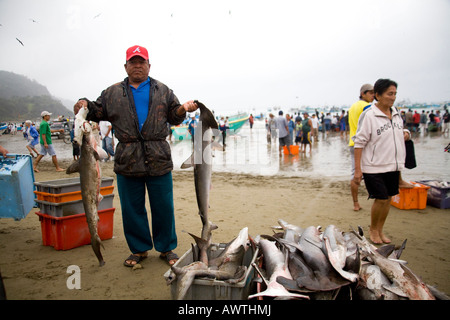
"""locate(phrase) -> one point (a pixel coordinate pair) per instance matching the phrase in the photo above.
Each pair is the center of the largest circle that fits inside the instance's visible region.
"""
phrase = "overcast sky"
(234, 55)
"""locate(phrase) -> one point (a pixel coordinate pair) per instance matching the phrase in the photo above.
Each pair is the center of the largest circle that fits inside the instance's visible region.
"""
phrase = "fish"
(90, 178)
(185, 276)
(291, 231)
(336, 250)
(372, 284)
(201, 160)
(404, 282)
(229, 262)
(226, 267)
(276, 265)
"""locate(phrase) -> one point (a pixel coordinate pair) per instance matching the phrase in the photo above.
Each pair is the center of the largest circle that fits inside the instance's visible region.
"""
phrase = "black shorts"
(306, 137)
(382, 185)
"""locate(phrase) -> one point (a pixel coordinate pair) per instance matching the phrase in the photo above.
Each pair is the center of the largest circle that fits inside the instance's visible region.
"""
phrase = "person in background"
(191, 127)
(223, 126)
(306, 132)
(416, 121)
(380, 154)
(298, 130)
(291, 126)
(409, 120)
(75, 146)
(107, 138)
(251, 120)
(32, 137)
(423, 122)
(315, 127)
(283, 132)
(45, 140)
(342, 123)
(365, 99)
(446, 122)
(272, 126)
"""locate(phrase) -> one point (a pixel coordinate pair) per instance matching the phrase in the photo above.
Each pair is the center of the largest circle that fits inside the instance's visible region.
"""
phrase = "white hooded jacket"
(382, 141)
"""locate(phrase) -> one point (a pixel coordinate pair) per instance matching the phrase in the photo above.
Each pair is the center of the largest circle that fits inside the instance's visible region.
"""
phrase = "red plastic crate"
(64, 233)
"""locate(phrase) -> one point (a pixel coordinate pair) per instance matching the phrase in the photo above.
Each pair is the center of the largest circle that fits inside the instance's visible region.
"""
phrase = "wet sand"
(32, 271)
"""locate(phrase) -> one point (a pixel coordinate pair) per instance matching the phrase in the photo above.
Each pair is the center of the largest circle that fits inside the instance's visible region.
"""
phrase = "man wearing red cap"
(139, 109)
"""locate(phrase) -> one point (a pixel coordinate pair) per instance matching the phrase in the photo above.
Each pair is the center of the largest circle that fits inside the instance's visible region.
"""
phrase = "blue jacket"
(33, 133)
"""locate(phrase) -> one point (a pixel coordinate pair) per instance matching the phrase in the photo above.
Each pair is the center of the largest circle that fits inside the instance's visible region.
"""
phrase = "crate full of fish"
(438, 194)
(207, 288)
(16, 184)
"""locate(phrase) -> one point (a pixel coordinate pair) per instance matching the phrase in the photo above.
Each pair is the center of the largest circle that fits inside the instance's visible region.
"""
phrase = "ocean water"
(248, 152)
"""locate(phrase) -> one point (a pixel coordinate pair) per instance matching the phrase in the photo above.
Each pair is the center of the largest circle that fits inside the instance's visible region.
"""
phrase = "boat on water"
(235, 123)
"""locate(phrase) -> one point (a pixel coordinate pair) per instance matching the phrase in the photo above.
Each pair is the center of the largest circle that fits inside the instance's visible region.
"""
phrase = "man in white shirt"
(107, 138)
(315, 127)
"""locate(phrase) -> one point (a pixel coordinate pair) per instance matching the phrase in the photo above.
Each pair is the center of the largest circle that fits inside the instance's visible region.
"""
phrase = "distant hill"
(22, 99)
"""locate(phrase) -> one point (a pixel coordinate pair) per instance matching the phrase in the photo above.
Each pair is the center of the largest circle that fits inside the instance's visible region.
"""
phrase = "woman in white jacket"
(380, 154)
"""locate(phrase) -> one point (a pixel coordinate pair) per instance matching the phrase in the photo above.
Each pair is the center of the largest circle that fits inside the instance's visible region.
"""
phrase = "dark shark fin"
(206, 116)
(74, 167)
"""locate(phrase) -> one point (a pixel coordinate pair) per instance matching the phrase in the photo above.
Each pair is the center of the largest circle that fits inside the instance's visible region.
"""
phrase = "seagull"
(20, 42)
(97, 15)
(33, 20)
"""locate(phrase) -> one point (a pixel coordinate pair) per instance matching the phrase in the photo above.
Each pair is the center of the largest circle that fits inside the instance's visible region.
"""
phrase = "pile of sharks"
(329, 264)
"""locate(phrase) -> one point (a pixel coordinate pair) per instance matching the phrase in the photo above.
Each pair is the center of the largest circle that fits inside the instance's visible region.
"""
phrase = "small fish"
(276, 266)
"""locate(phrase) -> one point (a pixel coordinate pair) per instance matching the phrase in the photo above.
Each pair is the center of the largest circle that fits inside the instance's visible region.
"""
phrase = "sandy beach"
(33, 271)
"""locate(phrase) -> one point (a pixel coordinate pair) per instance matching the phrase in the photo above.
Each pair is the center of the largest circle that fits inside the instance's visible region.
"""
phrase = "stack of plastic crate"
(62, 216)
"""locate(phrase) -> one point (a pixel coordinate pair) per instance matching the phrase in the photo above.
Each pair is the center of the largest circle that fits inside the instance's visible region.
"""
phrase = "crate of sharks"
(212, 289)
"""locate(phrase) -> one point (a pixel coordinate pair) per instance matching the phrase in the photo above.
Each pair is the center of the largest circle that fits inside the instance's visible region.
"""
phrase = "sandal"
(134, 258)
(169, 256)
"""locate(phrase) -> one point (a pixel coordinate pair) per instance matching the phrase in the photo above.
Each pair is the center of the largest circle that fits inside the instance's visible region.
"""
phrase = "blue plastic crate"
(17, 185)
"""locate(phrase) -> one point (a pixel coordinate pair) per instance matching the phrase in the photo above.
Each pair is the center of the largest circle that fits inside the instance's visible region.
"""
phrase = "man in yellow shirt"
(365, 99)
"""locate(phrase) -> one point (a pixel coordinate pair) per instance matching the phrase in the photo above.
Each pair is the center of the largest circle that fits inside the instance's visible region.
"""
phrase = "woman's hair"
(382, 85)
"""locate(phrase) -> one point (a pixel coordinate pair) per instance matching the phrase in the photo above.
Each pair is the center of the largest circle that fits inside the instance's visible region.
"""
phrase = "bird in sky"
(32, 20)
(20, 42)
(98, 15)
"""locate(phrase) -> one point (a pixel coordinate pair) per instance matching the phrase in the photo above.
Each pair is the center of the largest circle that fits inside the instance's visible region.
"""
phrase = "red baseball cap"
(137, 51)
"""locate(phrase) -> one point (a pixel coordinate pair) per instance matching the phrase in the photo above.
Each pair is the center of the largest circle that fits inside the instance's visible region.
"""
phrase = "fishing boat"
(3, 127)
(235, 123)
